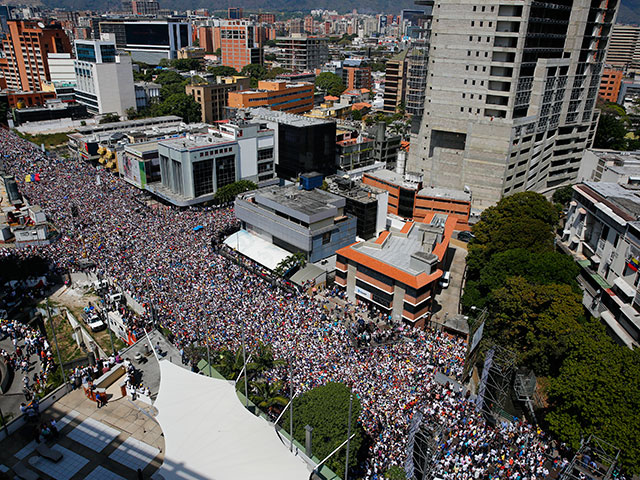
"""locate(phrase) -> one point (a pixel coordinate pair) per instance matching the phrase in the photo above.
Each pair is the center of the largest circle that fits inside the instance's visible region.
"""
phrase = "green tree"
(297, 259)
(179, 104)
(536, 321)
(229, 192)
(271, 57)
(356, 115)
(229, 364)
(611, 132)
(326, 409)
(330, 83)
(262, 360)
(254, 71)
(186, 64)
(395, 473)
(110, 118)
(598, 392)
(523, 220)
(268, 396)
(378, 66)
(563, 195)
(218, 53)
(538, 268)
(222, 71)
(274, 72)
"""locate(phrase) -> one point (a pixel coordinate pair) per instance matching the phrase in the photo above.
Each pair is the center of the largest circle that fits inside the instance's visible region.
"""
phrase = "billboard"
(133, 170)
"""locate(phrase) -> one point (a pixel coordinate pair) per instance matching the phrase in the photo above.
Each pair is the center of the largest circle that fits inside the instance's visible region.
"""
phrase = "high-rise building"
(296, 25)
(149, 41)
(145, 7)
(238, 44)
(300, 53)
(235, 13)
(610, 85)
(206, 38)
(104, 77)
(510, 94)
(308, 24)
(303, 144)
(25, 48)
(266, 18)
(356, 74)
(624, 47)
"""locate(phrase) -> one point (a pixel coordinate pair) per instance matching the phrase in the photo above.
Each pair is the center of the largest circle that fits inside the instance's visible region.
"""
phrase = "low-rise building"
(312, 222)
(275, 95)
(213, 97)
(194, 167)
(147, 93)
(409, 199)
(353, 150)
(140, 164)
(602, 232)
(368, 204)
(398, 272)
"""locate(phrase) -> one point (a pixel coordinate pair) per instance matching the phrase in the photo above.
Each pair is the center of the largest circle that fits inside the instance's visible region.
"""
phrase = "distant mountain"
(629, 9)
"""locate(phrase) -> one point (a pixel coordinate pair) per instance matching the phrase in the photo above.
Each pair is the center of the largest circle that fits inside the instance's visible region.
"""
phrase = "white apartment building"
(104, 77)
(510, 94)
(602, 232)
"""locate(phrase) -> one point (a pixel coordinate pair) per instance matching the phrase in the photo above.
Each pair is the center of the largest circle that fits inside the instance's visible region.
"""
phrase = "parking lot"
(447, 301)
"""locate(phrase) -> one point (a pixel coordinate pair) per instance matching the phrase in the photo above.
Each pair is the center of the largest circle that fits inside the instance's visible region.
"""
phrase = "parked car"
(445, 280)
(465, 236)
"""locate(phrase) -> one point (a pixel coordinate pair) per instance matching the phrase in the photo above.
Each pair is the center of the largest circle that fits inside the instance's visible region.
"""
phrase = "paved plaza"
(96, 444)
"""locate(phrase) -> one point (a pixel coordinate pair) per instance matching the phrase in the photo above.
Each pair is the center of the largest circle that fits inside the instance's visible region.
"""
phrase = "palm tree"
(229, 364)
(263, 360)
(267, 396)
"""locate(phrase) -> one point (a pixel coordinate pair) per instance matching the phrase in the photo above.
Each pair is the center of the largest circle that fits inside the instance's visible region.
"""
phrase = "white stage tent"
(209, 434)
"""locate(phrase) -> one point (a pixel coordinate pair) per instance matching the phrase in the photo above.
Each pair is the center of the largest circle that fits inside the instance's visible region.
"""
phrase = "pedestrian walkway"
(109, 443)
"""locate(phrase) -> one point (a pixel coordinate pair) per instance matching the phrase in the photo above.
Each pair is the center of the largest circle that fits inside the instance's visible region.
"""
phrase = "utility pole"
(291, 396)
(346, 463)
(55, 339)
(244, 360)
(208, 356)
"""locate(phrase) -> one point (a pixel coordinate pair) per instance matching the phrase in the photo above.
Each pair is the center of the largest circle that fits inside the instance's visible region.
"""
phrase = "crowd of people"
(26, 343)
(154, 253)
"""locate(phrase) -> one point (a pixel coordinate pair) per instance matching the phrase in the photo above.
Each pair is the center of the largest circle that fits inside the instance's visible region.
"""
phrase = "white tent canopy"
(209, 434)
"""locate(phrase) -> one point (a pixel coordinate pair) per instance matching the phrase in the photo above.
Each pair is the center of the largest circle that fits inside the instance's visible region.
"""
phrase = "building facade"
(312, 222)
(356, 74)
(624, 47)
(301, 53)
(213, 97)
(302, 144)
(104, 78)
(149, 41)
(25, 49)
(238, 44)
(610, 85)
(510, 95)
(276, 95)
(602, 233)
(398, 272)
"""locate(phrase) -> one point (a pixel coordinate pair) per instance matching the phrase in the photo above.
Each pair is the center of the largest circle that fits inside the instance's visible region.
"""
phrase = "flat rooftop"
(286, 118)
(624, 197)
(392, 177)
(307, 202)
(445, 193)
(142, 147)
(397, 249)
(194, 142)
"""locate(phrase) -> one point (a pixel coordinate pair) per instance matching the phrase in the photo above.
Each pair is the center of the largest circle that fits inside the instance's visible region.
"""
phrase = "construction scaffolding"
(495, 383)
(525, 388)
(422, 448)
(596, 459)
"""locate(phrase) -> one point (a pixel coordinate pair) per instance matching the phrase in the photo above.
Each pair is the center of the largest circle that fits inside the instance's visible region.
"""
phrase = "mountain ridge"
(629, 11)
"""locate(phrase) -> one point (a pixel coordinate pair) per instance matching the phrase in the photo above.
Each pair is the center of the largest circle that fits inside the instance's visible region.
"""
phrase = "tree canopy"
(563, 195)
(535, 321)
(222, 71)
(326, 409)
(179, 104)
(538, 268)
(523, 220)
(598, 392)
(229, 192)
(330, 83)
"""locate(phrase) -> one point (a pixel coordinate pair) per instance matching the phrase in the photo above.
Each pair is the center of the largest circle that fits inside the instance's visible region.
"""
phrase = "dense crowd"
(26, 343)
(154, 253)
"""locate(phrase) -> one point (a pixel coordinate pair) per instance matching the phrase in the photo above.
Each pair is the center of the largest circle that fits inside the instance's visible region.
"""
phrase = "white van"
(446, 278)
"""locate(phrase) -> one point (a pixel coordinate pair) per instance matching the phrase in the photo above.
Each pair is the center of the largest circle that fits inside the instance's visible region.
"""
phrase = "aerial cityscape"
(320, 240)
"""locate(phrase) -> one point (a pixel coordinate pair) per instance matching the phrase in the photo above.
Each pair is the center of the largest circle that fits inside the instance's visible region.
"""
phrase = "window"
(265, 154)
(326, 238)
(203, 177)
(225, 170)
